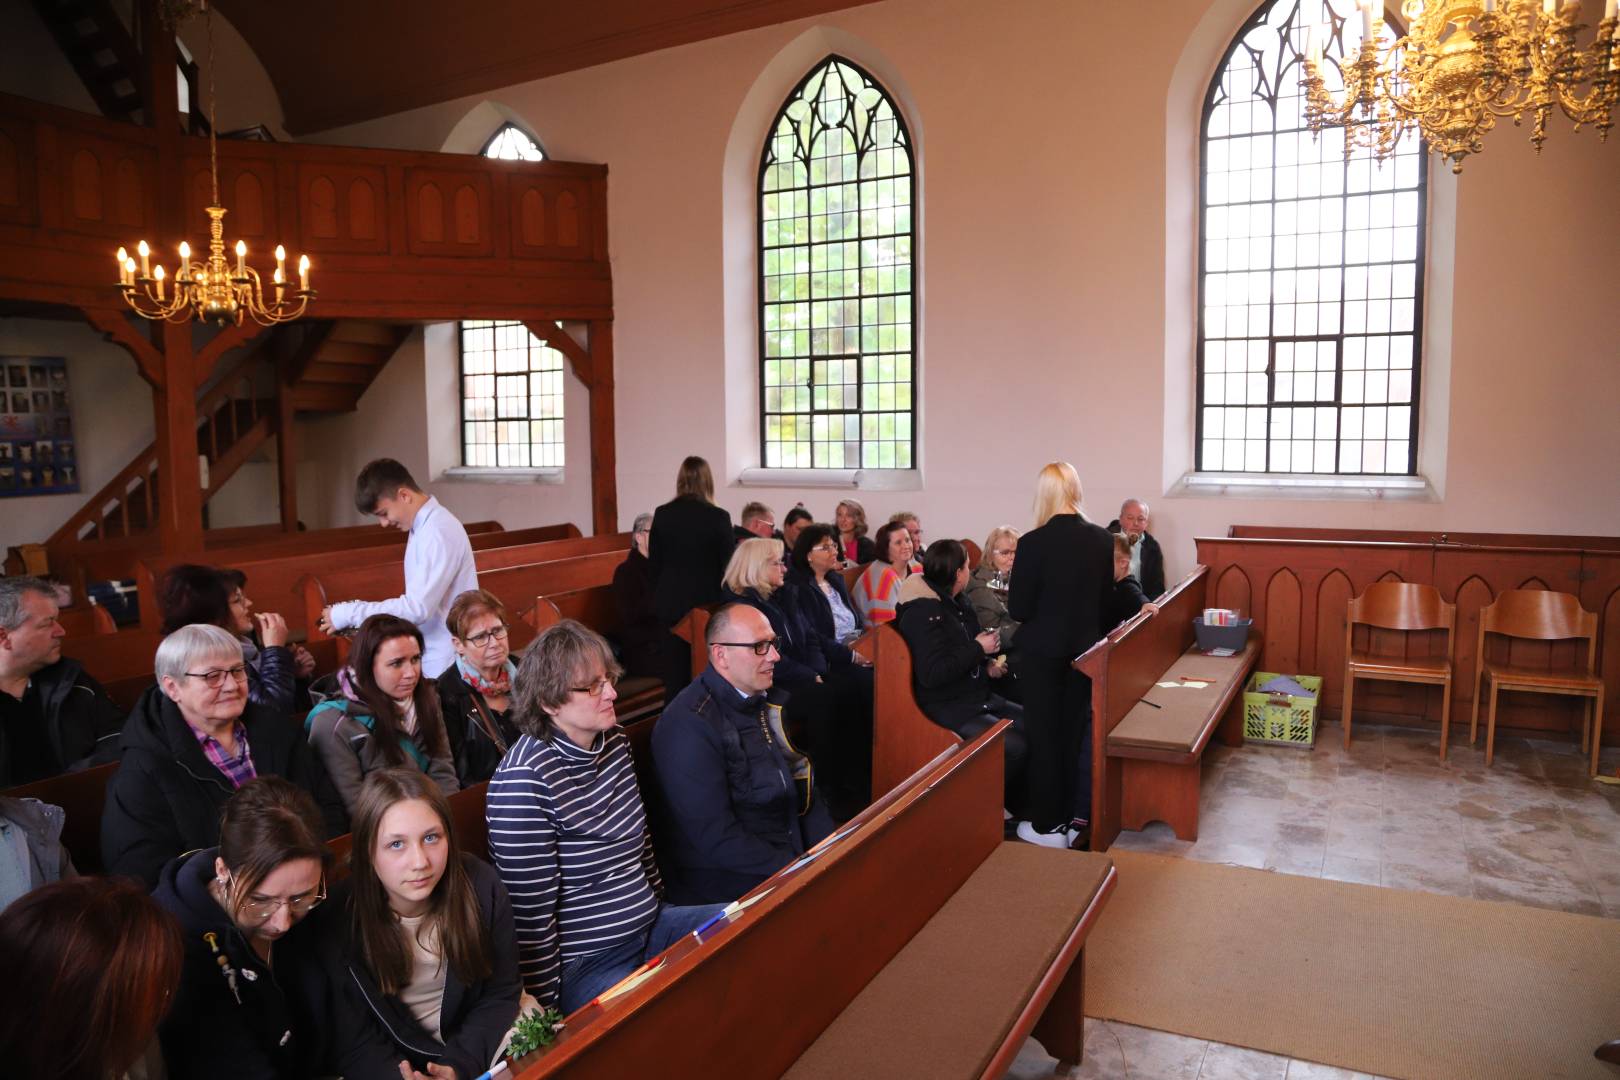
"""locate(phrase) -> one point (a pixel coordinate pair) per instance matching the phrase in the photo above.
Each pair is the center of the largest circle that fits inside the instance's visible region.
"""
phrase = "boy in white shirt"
(438, 561)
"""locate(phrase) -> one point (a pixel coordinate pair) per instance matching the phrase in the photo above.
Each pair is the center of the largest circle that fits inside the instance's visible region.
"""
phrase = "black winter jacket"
(947, 665)
(465, 714)
(1152, 563)
(802, 593)
(1059, 587)
(369, 1033)
(731, 805)
(1124, 600)
(81, 723)
(803, 656)
(256, 1031)
(640, 632)
(166, 796)
(687, 551)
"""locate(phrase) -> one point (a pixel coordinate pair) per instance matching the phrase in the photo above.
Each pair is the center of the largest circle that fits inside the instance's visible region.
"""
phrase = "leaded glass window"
(511, 381)
(837, 282)
(1310, 268)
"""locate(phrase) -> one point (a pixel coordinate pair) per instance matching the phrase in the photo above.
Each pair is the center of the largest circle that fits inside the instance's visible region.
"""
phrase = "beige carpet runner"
(1395, 983)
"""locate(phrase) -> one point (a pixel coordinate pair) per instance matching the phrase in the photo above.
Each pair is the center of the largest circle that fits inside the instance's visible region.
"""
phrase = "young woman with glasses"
(417, 943)
(188, 744)
(568, 830)
(380, 713)
(475, 693)
(239, 906)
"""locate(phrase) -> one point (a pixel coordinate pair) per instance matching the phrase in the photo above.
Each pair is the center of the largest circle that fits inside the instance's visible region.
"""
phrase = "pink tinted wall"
(1055, 142)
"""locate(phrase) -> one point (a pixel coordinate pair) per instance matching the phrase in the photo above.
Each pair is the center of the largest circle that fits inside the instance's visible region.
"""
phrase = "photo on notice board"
(38, 452)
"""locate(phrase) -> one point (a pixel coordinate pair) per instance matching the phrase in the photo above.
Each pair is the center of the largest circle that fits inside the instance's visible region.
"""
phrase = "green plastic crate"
(1280, 718)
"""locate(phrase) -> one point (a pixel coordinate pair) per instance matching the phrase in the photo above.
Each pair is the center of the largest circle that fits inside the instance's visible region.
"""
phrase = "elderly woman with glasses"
(239, 904)
(568, 830)
(816, 587)
(475, 693)
(189, 743)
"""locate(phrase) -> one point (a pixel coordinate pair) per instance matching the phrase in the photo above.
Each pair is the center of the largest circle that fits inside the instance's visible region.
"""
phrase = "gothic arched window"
(1310, 268)
(837, 189)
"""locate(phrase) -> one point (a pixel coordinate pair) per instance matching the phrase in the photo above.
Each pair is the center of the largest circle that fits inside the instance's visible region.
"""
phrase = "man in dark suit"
(1147, 561)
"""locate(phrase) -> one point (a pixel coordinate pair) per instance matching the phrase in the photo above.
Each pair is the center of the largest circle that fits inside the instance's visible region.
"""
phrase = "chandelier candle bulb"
(129, 271)
(158, 274)
(145, 254)
(303, 273)
(185, 261)
(123, 273)
(241, 259)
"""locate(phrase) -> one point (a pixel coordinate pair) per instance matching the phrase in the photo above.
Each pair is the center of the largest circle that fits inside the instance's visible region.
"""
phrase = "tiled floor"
(1532, 829)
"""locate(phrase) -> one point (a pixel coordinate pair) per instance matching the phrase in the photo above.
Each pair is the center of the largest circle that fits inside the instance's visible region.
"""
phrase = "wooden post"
(180, 521)
(604, 450)
(286, 448)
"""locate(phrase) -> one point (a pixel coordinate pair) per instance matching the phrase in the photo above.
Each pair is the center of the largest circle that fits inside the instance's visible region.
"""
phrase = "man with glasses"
(190, 742)
(54, 718)
(757, 520)
(739, 799)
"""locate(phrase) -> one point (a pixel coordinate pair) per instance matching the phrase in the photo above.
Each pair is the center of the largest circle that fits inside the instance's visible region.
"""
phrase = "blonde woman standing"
(1060, 584)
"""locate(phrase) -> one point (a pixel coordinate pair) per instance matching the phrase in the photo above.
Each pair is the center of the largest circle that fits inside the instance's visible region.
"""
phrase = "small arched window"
(837, 293)
(511, 381)
(1310, 268)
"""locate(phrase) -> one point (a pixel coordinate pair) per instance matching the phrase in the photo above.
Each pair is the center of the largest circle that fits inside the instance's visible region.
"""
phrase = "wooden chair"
(1400, 605)
(1539, 615)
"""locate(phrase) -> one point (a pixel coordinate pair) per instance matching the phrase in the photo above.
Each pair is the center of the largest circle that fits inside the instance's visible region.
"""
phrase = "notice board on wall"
(38, 453)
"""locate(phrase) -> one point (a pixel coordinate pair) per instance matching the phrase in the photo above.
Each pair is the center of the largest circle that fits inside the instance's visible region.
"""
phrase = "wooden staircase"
(328, 365)
(99, 46)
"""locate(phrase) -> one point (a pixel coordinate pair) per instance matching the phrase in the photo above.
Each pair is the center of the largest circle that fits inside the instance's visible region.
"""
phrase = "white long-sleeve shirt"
(438, 568)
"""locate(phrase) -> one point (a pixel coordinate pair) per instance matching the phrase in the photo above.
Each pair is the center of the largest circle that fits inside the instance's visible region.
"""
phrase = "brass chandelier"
(1462, 65)
(211, 290)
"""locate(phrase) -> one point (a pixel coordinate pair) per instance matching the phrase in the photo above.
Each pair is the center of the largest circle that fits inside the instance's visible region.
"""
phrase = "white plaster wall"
(112, 418)
(411, 413)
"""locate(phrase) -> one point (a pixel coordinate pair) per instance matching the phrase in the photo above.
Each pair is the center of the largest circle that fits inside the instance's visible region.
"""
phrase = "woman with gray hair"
(568, 830)
(189, 743)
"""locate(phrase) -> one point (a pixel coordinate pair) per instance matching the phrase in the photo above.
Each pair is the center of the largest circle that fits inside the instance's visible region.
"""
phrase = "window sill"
(861, 479)
(1304, 486)
(470, 474)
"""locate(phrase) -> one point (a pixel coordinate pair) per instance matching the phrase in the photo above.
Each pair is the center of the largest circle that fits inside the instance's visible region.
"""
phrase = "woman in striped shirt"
(877, 590)
(568, 831)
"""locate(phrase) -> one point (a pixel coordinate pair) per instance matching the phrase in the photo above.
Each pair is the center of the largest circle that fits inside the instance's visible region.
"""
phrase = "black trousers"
(1057, 724)
(970, 721)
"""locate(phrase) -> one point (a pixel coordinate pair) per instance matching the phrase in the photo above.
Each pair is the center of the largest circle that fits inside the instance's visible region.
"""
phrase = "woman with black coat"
(956, 666)
(189, 743)
(1059, 593)
(418, 944)
(817, 589)
(689, 545)
(239, 1009)
(831, 696)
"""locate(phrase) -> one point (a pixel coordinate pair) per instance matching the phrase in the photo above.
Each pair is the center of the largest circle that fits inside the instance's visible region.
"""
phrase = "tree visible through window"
(1311, 268)
(837, 289)
(511, 382)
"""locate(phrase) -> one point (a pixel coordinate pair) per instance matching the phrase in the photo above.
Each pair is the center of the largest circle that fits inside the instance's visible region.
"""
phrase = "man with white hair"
(53, 717)
(1147, 561)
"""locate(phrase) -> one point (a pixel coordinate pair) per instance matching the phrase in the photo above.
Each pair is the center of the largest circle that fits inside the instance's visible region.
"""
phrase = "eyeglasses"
(215, 677)
(259, 911)
(1003, 551)
(494, 633)
(760, 648)
(827, 547)
(597, 688)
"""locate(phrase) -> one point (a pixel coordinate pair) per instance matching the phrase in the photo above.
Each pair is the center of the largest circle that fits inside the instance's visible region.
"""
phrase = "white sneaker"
(1028, 834)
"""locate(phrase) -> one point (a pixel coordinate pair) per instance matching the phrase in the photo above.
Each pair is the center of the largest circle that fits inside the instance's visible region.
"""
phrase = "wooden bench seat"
(756, 993)
(990, 994)
(1147, 762)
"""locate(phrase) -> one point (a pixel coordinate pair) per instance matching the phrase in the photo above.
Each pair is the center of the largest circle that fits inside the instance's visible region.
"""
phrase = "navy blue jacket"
(731, 807)
(804, 656)
(802, 592)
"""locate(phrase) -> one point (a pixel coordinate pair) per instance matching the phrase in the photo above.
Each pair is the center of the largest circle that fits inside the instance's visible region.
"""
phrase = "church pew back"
(902, 735)
(81, 796)
(594, 607)
(834, 923)
(466, 819)
(86, 620)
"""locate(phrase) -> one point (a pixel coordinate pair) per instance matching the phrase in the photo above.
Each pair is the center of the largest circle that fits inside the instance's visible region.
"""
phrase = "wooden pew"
(1416, 536)
(639, 695)
(502, 570)
(902, 735)
(82, 795)
(274, 570)
(86, 620)
(1145, 763)
(887, 911)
